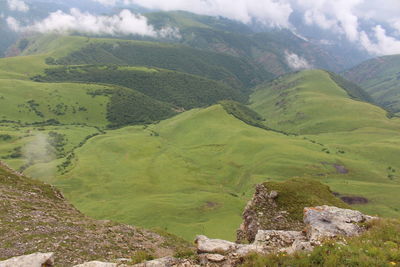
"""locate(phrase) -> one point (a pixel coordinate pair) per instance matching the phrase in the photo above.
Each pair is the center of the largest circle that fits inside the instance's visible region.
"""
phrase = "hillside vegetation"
(198, 170)
(180, 89)
(233, 71)
(380, 77)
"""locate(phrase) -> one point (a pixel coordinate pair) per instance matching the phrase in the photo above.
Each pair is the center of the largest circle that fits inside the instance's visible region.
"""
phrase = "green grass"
(33, 143)
(67, 103)
(190, 174)
(22, 68)
(193, 174)
(296, 194)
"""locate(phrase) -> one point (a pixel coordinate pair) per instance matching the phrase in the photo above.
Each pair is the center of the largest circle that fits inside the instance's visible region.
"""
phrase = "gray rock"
(243, 250)
(327, 222)
(215, 257)
(273, 194)
(162, 262)
(96, 264)
(32, 260)
(207, 245)
(299, 245)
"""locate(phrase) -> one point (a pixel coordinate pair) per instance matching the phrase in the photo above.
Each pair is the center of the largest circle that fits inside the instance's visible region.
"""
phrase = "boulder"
(162, 262)
(215, 257)
(327, 222)
(207, 245)
(243, 250)
(299, 245)
(32, 260)
(96, 264)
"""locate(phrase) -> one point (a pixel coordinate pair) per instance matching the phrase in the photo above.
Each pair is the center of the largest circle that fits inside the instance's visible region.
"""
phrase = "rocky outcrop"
(320, 222)
(327, 222)
(32, 260)
(262, 212)
(279, 206)
(275, 240)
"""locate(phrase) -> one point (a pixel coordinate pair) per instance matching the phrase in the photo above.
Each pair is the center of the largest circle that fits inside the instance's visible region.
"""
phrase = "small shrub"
(141, 256)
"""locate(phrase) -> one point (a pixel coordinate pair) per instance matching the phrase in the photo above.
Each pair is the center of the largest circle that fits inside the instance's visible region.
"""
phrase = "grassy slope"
(195, 171)
(74, 104)
(381, 78)
(311, 102)
(193, 174)
(35, 217)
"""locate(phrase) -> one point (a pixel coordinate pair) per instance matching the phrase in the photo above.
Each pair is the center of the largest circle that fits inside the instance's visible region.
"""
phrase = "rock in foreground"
(32, 260)
(279, 206)
(321, 223)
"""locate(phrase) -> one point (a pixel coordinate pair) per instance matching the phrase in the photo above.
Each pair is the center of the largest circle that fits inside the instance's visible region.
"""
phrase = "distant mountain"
(268, 47)
(380, 77)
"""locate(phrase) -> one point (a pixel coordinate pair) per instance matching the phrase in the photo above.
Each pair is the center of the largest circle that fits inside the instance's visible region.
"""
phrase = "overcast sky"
(343, 17)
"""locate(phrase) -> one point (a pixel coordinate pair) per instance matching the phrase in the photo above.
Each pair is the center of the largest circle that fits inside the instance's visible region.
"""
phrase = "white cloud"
(296, 62)
(333, 15)
(106, 2)
(17, 5)
(384, 44)
(396, 25)
(271, 12)
(13, 24)
(124, 23)
(343, 16)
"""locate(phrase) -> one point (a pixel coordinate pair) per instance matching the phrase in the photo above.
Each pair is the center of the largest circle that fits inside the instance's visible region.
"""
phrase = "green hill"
(380, 77)
(196, 171)
(234, 71)
(311, 102)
